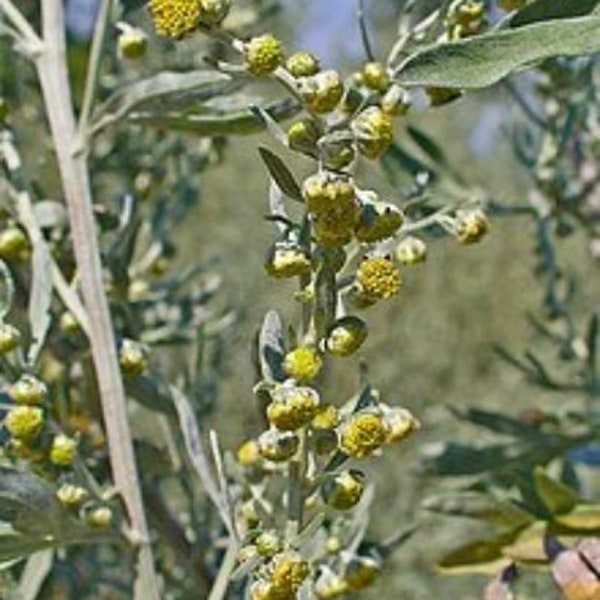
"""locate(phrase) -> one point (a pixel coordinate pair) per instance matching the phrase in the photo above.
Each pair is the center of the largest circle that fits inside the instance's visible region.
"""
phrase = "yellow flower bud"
(400, 423)
(377, 278)
(326, 418)
(69, 325)
(344, 490)
(99, 518)
(278, 446)
(28, 390)
(303, 136)
(71, 496)
(362, 434)
(471, 226)
(374, 132)
(361, 572)
(14, 244)
(175, 18)
(268, 543)
(378, 221)
(325, 192)
(322, 92)
(24, 422)
(10, 338)
(63, 451)
(133, 358)
(396, 102)
(247, 553)
(214, 12)
(303, 363)
(286, 260)
(288, 572)
(248, 454)
(132, 44)
(292, 407)
(376, 76)
(264, 54)
(346, 336)
(302, 64)
(411, 251)
(329, 585)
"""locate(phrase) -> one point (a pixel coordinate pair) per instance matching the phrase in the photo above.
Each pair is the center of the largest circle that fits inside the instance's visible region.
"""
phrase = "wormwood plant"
(289, 513)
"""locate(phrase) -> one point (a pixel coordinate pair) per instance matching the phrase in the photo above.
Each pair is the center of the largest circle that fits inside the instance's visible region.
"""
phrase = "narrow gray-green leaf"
(543, 10)
(486, 59)
(283, 177)
(40, 299)
(7, 290)
(271, 347)
(36, 570)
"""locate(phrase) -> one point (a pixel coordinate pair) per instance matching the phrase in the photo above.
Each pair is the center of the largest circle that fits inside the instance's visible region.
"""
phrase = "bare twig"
(54, 79)
(364, 32)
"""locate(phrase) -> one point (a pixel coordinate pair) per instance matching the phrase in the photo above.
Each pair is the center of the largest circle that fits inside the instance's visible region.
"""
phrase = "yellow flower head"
(99, 518)
(214, 11)
(302, 64)
(330, 585)
(288, 572)
(378, 221)
(133, 358)
(325, 192)
(287, 260)
(378, 278)
(361, 572)
(24, 422)
(10, 338)
(346, 336)
(63, 451)
(376, 77)
(322, 92)
(303, 363)
(264, 54)
(292, 407)
(362, 434)
(326, 418)
(411, 251)
(278, 446)
(268, 543)
(344, 490)
(400, 423)
(28, 390)
(248, 454)
(71, 495)
(175, 18)
(374, 130)
(471, 226)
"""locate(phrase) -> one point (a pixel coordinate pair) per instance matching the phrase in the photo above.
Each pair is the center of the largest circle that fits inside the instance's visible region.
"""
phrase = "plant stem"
(219, 589)
(54, 79)
(93, 69)
(15, 16)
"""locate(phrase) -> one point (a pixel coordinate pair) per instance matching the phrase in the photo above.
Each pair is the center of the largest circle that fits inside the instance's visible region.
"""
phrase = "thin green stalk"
(219, 589)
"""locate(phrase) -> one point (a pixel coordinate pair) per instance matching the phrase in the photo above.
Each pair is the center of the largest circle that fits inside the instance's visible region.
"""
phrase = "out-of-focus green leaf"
(283, 177)
(216, 123)
(168, 90)
(543, 10)
(557, 497)
(584, 517)
(483, 60)
(497, 422)
(50, 214)
(7, 289)
(479, 506)
(461, 459)
(593, 346)
(427, 145)
(398, 159)
(271, 347)
(132, 5)
(529, 545)
(484, 550)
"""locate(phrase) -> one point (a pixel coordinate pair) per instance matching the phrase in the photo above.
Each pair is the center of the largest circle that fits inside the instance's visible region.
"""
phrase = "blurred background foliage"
(434, 352)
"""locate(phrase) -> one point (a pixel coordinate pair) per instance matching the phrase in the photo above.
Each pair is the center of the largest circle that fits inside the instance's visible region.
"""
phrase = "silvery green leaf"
(280, 173)
(325, 299)
(543, 10)
(271, 347)
(7, 290)
(277, 207)
(483, 60)
(36, 570)
(39, 299)
(50, 214)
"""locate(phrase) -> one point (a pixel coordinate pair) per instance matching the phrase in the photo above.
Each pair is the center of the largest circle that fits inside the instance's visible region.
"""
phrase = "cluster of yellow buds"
(465, 18)
(287, 259)
(133, 358)
(377, 279)
(281, 578)
(292, 407)
(471, 225)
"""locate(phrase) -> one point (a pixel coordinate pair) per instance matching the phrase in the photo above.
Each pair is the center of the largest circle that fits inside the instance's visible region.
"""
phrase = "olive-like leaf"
(557, 497)
(40, 298)
(282, 176)
(544, 10)
(271, 347)
(479, 506)
(7, 289)
(583, 518)
(483, 60)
